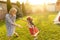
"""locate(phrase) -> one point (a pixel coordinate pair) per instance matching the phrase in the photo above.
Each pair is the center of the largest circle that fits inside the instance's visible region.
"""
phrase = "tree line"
(20, 8)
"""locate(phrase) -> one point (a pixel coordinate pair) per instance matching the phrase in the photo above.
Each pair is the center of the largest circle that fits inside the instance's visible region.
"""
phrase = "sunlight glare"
(50, 1)
(35, 2)
(13, 0)
(21, 1)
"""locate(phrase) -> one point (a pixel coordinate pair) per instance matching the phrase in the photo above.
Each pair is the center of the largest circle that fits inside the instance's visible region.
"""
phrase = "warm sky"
(34, 2)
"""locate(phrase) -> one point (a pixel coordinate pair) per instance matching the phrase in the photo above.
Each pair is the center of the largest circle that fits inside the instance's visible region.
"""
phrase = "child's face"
(13, 12)
(29, 21)
(0, 11)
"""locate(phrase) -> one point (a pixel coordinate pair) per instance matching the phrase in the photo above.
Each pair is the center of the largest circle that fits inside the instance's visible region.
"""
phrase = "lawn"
(48, 30)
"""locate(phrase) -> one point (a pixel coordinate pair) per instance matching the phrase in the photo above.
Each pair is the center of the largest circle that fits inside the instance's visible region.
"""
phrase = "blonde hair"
(1, 8)
(12, 10)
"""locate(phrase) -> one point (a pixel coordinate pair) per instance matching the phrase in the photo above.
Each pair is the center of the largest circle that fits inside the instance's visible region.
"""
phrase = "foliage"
(9, 5)
(23, 9)
(19, 10)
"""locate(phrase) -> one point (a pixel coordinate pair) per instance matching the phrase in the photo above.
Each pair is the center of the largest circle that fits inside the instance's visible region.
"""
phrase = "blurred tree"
(18, 3)
(19, 10)
(58, 5)
(9, 5)
(23, 9)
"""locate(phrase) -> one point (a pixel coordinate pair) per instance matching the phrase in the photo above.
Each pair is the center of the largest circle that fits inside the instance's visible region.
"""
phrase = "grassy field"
(48, 30)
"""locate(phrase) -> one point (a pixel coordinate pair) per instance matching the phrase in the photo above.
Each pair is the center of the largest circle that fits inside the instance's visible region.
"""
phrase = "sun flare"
(36, 2)
(22, 1)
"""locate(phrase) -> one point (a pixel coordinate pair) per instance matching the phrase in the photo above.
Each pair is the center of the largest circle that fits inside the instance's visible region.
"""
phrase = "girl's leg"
(16, 34)
(35, 38)
(9, 37)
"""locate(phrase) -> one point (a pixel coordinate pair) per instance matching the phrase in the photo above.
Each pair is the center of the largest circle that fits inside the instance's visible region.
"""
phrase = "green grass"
(48, 30)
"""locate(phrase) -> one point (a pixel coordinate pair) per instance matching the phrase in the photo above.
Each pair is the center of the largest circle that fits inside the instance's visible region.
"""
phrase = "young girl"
(10, 23)
(32, 28)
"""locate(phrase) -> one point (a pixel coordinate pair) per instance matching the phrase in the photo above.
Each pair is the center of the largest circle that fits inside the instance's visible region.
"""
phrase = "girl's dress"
(9, 24)
(33, 30)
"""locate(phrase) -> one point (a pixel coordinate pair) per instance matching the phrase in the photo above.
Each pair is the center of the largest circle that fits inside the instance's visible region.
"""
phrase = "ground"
(48, 30)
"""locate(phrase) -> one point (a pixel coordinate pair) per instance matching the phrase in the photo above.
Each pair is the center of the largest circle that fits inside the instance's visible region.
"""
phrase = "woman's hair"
(30, 20)
(12, 9)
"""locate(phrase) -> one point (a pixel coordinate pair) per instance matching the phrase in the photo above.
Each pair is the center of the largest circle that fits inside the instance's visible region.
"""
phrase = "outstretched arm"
(11, 22)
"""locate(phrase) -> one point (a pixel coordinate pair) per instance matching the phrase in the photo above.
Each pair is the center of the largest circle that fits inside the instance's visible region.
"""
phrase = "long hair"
(30, 20)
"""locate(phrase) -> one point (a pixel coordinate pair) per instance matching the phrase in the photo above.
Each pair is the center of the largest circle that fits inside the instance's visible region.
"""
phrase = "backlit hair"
(29, 18)
(1, 8)
(13, 9)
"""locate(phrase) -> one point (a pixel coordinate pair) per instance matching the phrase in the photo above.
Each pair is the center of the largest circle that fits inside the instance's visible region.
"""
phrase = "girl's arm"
(33, 29)
(10, 21)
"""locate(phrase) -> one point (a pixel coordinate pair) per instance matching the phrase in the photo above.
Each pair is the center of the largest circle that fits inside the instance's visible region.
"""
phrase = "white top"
(29, 25)
(56, 21)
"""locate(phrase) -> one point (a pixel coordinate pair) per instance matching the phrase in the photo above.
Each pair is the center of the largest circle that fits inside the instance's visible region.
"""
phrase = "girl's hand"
(19, 26)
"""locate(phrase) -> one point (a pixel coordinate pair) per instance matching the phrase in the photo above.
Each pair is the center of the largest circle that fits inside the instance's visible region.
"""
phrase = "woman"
(10, 23)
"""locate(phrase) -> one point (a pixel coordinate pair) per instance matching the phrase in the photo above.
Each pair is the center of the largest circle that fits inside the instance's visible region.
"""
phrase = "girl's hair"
(30, 20)
(12, 9)
(1, 9)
